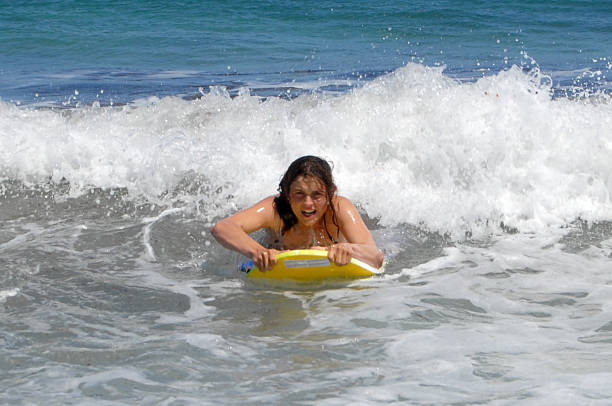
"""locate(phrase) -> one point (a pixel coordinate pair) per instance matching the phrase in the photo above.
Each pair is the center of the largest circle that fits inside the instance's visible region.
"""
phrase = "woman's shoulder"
(262, 205)
(345, 210)
(268, 200)
(264, 211)
(342, 203)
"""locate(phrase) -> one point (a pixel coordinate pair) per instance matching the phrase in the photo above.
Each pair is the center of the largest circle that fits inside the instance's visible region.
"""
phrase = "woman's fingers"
(272, 259)
(340, 254)
(261, 260)
(265, 259)
(318, 247)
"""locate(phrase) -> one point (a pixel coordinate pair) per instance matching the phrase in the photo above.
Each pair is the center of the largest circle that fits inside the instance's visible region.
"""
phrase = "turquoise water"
(132, 49)
(473, 137)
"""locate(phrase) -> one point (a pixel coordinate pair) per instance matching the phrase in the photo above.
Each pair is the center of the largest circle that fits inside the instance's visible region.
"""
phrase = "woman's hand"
(265, 259)
(341, 253)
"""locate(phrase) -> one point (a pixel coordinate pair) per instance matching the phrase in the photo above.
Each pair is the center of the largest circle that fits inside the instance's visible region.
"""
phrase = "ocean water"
(474, 138)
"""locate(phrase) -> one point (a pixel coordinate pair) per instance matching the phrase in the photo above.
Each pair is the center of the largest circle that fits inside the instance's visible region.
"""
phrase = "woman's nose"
(308, 200)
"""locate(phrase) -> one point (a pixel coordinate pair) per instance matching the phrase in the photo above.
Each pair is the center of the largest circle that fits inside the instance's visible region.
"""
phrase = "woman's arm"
(233, 232)
(360, 243)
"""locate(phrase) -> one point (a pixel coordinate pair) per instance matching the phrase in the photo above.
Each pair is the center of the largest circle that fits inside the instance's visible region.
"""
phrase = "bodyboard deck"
(310, 265)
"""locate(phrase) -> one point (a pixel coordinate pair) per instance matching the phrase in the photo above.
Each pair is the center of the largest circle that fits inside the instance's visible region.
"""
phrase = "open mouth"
(308, 213)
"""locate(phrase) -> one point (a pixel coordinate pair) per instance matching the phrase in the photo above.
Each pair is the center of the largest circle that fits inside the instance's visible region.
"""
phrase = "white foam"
(5, 294)
(218, 346)
(412, 146)
(146, 234)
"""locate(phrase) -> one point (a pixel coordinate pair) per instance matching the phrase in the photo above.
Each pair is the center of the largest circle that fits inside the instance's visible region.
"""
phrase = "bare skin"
(309, 203)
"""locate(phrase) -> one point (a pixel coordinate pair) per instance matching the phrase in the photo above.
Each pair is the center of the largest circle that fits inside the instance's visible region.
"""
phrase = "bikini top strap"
(331, 238)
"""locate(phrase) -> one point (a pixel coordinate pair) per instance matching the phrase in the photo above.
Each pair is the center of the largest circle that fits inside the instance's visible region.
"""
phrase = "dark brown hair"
(305, 166)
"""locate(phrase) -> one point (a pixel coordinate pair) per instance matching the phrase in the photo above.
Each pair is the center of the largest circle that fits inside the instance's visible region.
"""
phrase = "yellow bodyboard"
(310, 265)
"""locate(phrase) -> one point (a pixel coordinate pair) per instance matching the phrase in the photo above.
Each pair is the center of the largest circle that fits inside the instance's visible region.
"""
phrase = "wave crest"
(413, 146)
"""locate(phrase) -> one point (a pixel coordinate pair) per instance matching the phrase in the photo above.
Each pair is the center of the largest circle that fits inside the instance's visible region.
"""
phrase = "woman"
(307, 213)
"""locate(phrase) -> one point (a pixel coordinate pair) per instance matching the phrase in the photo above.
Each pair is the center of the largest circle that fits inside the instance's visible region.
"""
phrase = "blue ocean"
(474, 137)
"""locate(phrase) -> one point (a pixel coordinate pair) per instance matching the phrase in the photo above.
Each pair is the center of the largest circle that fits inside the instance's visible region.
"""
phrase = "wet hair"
(305, 166)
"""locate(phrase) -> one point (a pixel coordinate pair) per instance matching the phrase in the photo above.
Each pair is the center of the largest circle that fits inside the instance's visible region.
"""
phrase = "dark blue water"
(119, 51)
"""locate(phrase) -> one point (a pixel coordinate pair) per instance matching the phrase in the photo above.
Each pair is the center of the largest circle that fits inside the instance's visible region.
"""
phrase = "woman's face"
(308, 200)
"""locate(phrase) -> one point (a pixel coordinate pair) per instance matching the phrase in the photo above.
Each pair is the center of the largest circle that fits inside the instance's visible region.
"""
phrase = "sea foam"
(413, 146)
